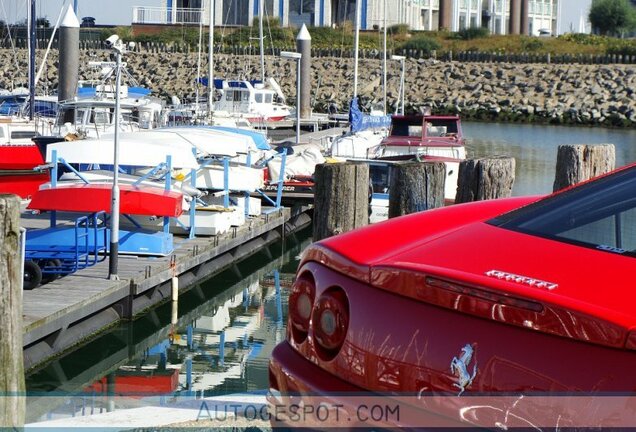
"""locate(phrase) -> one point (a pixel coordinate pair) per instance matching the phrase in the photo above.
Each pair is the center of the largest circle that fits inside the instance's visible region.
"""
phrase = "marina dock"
(62, 313)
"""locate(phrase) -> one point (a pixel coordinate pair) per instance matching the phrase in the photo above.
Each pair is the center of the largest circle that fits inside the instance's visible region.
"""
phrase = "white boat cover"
(301, 163)
(144, 149)
(241, 178)
(357, 145)
(207, 142)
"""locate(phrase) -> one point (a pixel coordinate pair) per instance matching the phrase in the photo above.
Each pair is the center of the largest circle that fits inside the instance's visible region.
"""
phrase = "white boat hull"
(207, 222)
(240, 178)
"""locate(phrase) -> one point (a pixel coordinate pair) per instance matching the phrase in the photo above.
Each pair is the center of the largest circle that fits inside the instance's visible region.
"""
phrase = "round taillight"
(301, 300)
(330, 321)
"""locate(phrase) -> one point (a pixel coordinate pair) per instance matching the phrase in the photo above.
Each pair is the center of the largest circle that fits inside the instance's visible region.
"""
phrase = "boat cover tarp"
(85, 92)
(360, 121)
(143, 149)
(301, 163)
(218, 82)
(222, 140)
(209, 142)
(260, 141)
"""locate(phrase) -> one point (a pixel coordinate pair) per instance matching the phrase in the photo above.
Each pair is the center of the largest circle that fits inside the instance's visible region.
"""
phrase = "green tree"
(612, 16)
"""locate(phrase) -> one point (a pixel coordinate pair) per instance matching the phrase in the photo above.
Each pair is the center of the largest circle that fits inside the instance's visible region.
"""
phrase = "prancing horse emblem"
(459, 368)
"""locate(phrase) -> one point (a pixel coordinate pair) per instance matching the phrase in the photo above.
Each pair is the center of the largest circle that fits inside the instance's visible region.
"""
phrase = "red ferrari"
(503, 313)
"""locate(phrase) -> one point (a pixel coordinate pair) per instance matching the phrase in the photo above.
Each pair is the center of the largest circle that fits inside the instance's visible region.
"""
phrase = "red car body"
(486, 298)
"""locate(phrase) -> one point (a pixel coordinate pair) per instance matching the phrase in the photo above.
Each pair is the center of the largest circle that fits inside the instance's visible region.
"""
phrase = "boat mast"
(32, 25)
(356, 42)
(211, 60)
(261, 10)
(196, 92)
(384, 63)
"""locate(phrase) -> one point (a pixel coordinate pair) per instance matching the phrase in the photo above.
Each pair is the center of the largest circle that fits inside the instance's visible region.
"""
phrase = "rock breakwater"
(555, 93)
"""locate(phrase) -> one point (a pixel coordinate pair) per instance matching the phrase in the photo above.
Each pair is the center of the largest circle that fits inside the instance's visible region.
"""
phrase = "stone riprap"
(556, 93)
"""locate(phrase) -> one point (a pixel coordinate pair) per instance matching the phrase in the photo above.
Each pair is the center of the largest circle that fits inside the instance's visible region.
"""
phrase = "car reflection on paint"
(517, 296)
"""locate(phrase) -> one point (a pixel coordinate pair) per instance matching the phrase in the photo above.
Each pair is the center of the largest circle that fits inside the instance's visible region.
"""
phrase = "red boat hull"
(20, 157)
(23, 184)
(155, 382)
(269, 119)
(91, 198)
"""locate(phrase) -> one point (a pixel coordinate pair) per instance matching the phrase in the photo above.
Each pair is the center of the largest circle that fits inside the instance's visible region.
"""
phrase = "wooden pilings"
(341, 198)
(416, 186)
(577, 163)
(487, 178)
(12, 387)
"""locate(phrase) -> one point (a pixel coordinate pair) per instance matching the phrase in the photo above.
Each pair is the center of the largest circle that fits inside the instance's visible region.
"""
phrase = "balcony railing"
(158, 15)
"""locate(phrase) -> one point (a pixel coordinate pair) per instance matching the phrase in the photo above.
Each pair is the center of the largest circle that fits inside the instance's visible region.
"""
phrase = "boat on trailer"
(97, 197)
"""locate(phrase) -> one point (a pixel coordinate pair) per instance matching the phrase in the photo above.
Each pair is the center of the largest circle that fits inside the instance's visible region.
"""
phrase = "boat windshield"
(441, 127)
(600, 214)
(407, 127)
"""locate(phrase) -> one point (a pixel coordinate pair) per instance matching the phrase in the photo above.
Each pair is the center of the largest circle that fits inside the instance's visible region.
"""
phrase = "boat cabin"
(95, 116)
(16, 132)
(425, 127)
(19, 105)
(422, 136)
(251, 99)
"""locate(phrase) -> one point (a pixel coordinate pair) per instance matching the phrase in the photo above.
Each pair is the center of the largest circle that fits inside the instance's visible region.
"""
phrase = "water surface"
(534, 148)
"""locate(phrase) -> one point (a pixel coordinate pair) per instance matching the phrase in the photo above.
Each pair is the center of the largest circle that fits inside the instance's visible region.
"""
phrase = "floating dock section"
(67, 311)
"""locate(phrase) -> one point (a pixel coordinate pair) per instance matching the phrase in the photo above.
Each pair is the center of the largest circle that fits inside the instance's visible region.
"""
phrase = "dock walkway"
(62, 313)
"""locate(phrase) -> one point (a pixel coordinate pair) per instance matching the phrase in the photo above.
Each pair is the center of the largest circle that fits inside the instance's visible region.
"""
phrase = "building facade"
(540, 17)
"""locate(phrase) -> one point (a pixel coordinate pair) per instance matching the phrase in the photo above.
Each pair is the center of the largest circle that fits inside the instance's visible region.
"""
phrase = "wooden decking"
(63, 312)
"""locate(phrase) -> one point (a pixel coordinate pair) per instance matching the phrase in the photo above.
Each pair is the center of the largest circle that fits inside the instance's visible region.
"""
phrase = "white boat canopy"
(144, 149)
(216, 141)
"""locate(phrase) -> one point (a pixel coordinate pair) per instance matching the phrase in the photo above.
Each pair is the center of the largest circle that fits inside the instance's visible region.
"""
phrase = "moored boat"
(92, 198)
(19, 155)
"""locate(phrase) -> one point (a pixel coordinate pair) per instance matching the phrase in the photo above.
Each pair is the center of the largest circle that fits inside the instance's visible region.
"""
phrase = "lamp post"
(295, 56)
(401, 96)
(118, 46)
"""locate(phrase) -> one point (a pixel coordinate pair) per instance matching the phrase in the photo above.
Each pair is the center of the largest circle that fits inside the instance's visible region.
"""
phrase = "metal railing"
(161, 15)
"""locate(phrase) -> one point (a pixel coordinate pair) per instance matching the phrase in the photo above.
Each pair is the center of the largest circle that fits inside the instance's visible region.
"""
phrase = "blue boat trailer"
(52, 252)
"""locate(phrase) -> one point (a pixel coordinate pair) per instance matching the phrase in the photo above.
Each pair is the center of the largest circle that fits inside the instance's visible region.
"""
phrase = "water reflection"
(221, 343)
(535, 148)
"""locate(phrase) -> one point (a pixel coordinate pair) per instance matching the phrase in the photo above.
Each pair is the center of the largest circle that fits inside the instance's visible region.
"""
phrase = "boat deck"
(59, 314)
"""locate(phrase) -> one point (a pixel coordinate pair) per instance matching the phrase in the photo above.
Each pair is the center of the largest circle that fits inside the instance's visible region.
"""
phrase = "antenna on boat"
(356, 42)
(211, 60)
(32, 35)
(384, 63)
(261, 11)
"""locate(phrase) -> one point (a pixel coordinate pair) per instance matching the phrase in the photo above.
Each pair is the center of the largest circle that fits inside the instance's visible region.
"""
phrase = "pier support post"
(303, 46)
(483, 179)
(416, 186)
(69, 60)
(12, 387)
(515, 17)
(577, 163)
(445, 14)
(525, 18)
(341, 198)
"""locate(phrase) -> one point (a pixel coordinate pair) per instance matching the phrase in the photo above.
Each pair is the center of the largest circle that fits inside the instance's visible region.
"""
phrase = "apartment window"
(301, 6)
(236, 12)
(342, 10)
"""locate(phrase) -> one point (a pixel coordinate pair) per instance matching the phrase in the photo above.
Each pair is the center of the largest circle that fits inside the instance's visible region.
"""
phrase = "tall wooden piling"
(12, 401)
(487, 178)
(416, 186)
(577, 163)
(341, 198)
